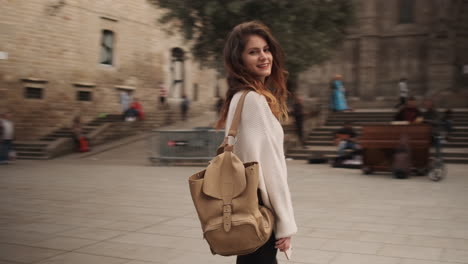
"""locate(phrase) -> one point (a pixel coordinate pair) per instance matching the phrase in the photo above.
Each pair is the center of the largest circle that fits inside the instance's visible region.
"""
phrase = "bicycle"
(437, 169)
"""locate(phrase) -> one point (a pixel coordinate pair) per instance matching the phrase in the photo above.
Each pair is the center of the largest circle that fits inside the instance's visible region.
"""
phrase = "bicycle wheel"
(437, 171)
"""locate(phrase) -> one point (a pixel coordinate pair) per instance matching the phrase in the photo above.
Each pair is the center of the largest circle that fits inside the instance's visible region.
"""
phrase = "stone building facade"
(62, 58)
(425, 41)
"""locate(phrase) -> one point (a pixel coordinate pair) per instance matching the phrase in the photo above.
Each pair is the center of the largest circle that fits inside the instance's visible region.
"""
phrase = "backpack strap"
(235, 123)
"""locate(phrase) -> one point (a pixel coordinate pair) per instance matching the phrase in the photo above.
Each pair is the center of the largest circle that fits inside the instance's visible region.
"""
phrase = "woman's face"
(257, 57)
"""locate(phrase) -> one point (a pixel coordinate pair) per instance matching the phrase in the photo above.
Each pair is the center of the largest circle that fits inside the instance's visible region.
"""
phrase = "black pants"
(299, 128)
(402, 102)
(266, 254)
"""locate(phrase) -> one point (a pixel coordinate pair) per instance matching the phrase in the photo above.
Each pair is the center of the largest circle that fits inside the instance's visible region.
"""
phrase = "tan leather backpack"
(225, 196)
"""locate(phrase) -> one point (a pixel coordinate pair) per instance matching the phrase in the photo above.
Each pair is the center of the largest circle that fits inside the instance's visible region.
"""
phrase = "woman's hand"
(283, 244)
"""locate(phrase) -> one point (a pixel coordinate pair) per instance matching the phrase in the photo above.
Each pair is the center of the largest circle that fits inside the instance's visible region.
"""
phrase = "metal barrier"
(184, 146)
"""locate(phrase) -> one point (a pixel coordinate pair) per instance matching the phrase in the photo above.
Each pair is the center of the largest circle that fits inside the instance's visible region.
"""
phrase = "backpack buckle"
(227, 210)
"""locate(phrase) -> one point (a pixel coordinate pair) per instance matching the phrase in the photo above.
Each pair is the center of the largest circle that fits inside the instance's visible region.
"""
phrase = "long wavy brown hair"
(240, 78)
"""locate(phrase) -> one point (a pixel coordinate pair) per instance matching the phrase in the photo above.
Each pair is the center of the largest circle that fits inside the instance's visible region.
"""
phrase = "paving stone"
(142, 214)
(22, 237)
(439, 242)
(311, 256)
(453, 255)
(25, 254)
(418, 261)
(374, 227)
(131, 251)
(64, 243)
(189, 257)
(347, 258)
(308, 242)
(383, 237)
(142, 262)
(411, 252)
(92, 233)
(351, 246)
(333, 233)
(126, 226)
(44, 228)
(80, 258)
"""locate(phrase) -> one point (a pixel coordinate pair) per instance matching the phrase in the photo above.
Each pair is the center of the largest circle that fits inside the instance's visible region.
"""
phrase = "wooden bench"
(379, 143)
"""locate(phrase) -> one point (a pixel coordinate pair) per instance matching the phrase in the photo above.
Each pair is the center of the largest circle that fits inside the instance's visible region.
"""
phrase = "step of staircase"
(117, 130)
(319, 142)
(31, 150)
(458, 130)
(456, 160)
(309, 151)
(30, 154)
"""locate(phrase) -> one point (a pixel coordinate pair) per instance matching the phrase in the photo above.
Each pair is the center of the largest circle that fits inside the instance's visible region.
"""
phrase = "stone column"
(368, 47)
(440, 68)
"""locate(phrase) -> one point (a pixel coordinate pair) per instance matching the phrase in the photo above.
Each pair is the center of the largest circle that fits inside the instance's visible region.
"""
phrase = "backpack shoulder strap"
(237, 115)
(235, 122)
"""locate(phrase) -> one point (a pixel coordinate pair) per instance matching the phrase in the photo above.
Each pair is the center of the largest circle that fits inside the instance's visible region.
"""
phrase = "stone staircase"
(100, 130)
(60, 141)
(320, 141)
(31, 150)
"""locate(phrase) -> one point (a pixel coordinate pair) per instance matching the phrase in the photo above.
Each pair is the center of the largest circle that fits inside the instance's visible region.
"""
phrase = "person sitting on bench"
(345, 138)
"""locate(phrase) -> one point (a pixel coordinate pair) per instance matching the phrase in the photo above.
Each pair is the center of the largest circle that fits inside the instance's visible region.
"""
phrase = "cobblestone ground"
(115, 208)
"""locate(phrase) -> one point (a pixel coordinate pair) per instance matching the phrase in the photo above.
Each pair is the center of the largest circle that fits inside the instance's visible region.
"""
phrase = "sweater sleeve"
(261, 139)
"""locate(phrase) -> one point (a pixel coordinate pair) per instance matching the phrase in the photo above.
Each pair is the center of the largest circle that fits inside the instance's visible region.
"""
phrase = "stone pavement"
(111, 206)
(83, 211)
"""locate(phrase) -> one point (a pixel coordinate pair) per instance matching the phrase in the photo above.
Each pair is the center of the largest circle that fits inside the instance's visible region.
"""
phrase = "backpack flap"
(225, 179)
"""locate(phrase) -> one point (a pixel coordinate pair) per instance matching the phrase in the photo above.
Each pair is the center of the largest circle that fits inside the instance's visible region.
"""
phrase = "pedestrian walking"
(125, 100)
(162, 96)
(403, 91)
(338, 97)
(410, 112)
(254, 61)
(184, 106)
(298, 113)
(7, 135)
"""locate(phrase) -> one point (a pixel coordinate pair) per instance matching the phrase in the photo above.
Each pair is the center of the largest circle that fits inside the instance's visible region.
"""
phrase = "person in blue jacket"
(338, 98)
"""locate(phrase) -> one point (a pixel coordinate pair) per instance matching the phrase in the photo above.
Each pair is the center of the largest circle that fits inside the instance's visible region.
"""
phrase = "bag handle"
(235, 123)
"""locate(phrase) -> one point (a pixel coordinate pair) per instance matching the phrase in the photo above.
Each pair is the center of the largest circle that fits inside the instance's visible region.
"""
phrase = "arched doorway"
(177, 88)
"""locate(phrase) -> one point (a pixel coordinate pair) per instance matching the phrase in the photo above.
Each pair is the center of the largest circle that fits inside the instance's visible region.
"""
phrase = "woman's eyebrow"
(254, 48)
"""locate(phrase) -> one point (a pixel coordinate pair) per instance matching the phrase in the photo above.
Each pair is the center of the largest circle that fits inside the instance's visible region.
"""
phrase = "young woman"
(254, 61)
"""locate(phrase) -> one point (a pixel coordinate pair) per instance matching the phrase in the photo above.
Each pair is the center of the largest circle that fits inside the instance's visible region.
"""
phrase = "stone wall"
(54, 46)
(378, 51)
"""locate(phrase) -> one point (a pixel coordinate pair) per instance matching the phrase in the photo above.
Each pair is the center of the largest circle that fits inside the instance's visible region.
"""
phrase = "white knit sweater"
(260, 138)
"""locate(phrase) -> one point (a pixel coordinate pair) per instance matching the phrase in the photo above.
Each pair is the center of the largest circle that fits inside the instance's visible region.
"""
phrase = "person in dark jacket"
(184, 106)
(345, 139)
(447, 123)
(7, 135)
(298, 113)
(409, 112)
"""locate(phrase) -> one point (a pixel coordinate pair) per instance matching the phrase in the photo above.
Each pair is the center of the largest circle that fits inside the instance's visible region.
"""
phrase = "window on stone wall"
(406, 11)
(33, 93)
(177, 72)
(83, 96)
(107, 47)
